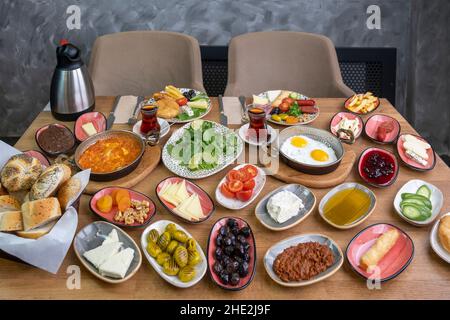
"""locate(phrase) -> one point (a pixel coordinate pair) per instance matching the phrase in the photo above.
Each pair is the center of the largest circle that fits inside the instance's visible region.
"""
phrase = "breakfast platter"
(181, 216)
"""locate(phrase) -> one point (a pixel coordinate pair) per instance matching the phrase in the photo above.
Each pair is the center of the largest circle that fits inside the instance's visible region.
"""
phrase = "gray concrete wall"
(30, 30)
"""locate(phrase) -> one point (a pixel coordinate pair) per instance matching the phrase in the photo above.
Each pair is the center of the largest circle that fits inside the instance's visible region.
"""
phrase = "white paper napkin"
(125, 108)
(49, 251)
(232, 109)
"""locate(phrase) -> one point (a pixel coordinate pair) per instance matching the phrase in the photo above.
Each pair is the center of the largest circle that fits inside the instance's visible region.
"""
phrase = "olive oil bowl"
(347, 205)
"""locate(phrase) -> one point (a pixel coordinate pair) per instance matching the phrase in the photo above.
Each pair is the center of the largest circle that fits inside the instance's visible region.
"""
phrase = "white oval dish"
(278, 248)
(165, 128)
(200, 269)
(243, 135)
(305, 194)
(435, 243)
(437, 200)
(235, 204)
(345, 186)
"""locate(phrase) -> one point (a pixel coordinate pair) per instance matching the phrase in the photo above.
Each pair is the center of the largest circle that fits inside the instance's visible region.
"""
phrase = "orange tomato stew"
(110, 154)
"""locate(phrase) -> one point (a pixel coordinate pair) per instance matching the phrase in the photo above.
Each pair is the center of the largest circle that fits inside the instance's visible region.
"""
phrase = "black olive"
(246, 246)
(232, 223)
(219, 240)
(229, 250)
(218, 253)
(245, 231)
(243, 269)
(224, 277)
(227, 241)
(275, 110)
(239, 249)
(232, 266)
(223, 230)
(246, 257)
(238, 259)
(241, 239)
(225, 260)
(235, 230)
(234, 279)
(217, 267)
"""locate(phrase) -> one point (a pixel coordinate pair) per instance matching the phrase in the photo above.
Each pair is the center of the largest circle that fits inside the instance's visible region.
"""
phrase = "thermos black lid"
(68, 56)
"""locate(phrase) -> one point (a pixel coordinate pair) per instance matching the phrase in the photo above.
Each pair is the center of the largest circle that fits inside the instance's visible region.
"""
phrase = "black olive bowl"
(317, 134)
(119, 173)
(210, 253)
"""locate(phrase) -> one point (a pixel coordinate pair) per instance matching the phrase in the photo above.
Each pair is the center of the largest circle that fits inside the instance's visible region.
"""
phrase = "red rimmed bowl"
(38, 155)
(66, 147)
(348, 115)
(392, 264)
(97, 119)
(210, 252)
(372, 159)
(383, 129)
(206, 202)
(411, 163)
(109, 216)
(347, 102)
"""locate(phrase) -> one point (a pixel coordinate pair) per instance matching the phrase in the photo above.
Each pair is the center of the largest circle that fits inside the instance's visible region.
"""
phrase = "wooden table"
(428, 277)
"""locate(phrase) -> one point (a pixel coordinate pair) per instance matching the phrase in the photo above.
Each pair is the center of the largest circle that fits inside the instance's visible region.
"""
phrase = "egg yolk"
(299, 142)
(319, 155)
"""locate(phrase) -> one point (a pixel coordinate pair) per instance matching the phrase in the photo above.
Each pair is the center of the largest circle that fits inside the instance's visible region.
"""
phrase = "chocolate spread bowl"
(316, 134)
(116, 174)
(55, 139)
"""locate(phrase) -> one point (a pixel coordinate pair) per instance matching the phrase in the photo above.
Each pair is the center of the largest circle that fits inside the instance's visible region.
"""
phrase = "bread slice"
(39, 212)
(49, 181)
(37, 232)
(444, 233)
(9, 203)
(11, 221)
(68, 191)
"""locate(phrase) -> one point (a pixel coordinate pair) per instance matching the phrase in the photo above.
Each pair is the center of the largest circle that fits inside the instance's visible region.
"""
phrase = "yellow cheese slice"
(194, 208)
(182, 193)
(185, 204)
(164, 187)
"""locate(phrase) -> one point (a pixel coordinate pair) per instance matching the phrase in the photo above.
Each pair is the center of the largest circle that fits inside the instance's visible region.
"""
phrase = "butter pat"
(283, 206)
(89, 129)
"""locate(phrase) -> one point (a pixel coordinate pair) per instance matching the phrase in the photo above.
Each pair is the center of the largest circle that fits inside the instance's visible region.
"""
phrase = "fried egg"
(307, 150)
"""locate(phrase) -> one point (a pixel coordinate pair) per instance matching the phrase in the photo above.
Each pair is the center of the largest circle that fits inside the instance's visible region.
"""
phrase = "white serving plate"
(437, 200)
(182, 171)
(200, 269)
(435, 242)
(243, 135)
(235, 204)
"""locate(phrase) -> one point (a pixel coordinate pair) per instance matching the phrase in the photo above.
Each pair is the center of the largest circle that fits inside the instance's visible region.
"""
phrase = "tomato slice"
(233, 175)
(244, 195)
(252, 170)
(249, 185)
(235, 185)
(226, 192)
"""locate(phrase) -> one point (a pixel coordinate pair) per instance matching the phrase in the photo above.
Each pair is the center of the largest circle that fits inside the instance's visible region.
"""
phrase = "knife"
(112, 117)
(223, 117)
(133, 119)
(242, 100)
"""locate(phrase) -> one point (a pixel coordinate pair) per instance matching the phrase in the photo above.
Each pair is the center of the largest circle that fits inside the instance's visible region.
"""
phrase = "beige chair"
(297, 61)
(143, 62)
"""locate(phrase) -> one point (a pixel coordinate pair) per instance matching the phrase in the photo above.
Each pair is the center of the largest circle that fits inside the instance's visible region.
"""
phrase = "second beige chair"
(143, 62)
(297, 61)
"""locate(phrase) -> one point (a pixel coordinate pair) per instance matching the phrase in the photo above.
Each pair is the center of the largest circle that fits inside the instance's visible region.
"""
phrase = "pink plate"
(244, 282)
(412, 164)
(110, 215)
(205, 200)
(38, 155)
(341, 115)
(373, 124)
(393, 263)
(98, 121)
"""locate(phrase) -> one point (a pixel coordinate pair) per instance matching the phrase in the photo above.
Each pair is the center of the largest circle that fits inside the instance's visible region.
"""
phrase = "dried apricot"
(124, 203)
(104, 204)
(120, 194)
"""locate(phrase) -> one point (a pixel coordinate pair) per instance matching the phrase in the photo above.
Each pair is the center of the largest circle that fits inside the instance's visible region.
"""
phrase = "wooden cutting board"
(289, 175)
(148, 163)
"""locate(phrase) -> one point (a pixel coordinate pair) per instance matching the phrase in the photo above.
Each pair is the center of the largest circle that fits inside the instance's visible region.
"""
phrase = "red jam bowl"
(378, 167)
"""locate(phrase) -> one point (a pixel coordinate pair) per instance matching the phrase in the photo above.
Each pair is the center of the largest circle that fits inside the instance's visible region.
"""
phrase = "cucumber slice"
(424, 191)
(415, 212)
(425, 200)
(417, 202)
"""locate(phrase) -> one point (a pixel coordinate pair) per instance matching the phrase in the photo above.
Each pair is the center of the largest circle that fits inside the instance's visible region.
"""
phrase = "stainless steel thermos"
(72, 91)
